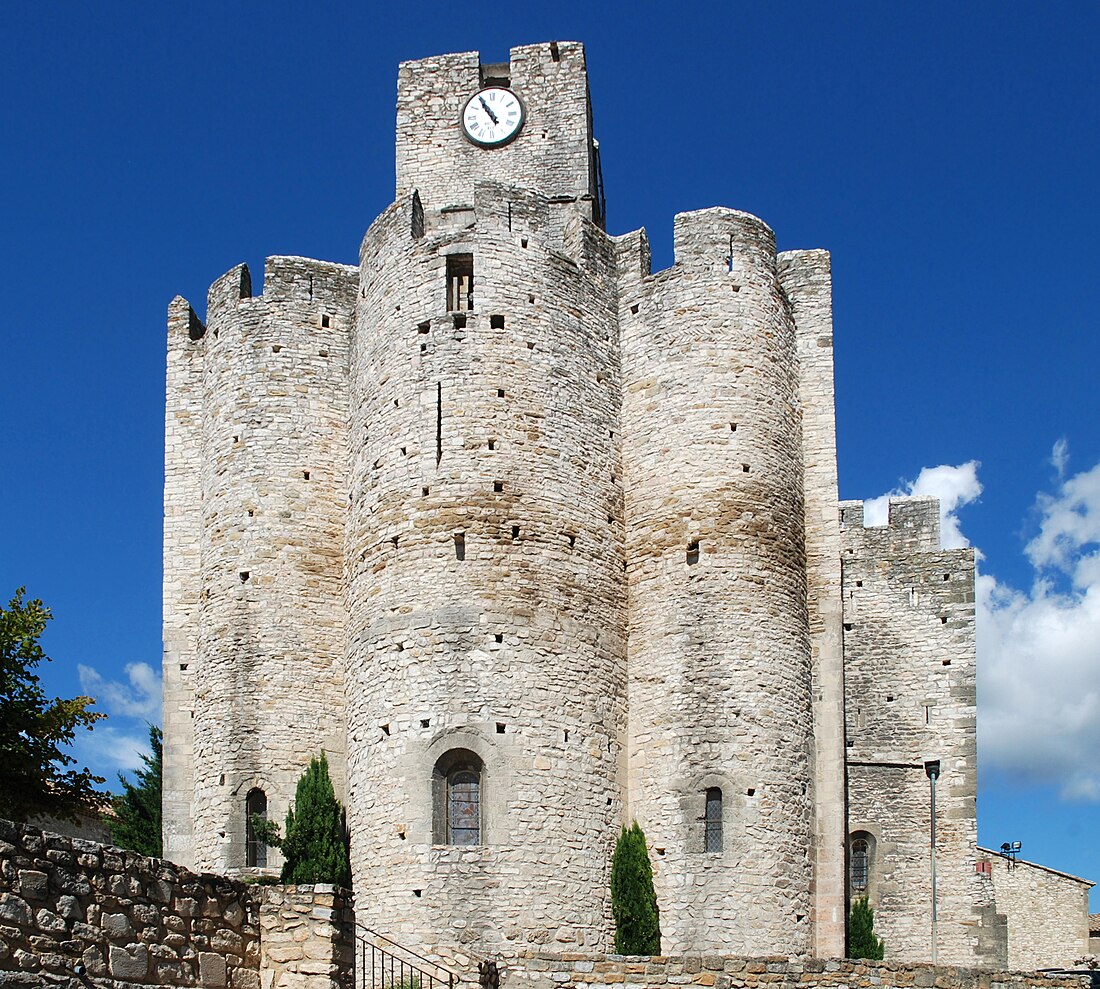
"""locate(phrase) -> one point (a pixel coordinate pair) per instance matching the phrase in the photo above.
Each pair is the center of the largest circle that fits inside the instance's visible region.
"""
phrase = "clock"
(492, 117)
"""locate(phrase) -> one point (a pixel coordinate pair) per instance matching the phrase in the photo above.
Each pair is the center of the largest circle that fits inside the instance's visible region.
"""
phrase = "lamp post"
(932, 769)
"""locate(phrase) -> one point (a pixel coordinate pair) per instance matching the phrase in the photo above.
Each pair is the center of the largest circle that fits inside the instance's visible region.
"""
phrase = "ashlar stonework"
(534, 541)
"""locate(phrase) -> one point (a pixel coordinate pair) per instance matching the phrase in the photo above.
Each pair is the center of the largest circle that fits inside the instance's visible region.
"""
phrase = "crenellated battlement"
(721, 239)
(913, 526)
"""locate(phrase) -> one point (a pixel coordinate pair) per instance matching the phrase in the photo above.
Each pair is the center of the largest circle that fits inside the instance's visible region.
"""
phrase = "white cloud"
(1059, 457)
(107, 750)
(954, 486)
(140, 698)
(1039, 651)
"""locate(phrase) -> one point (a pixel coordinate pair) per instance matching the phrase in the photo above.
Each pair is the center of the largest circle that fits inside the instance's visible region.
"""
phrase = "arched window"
(255, 805)
(860, 855)
(458, 783)
(464, 807)
(712, 821)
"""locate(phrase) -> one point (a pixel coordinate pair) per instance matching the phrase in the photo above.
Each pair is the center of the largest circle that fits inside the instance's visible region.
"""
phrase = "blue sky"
(945, 153)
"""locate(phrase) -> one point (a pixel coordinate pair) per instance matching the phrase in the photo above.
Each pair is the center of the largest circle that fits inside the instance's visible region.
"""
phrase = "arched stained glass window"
(860, 865)
(464, 807)
(712, 821)
(255, 854)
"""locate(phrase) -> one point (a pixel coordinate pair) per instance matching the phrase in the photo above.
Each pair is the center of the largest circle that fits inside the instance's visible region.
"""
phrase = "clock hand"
(492, 116)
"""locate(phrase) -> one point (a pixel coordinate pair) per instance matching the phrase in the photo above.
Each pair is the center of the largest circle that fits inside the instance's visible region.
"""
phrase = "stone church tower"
(533, 542)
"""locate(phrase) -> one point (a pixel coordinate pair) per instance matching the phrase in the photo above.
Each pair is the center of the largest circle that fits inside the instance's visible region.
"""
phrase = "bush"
(862, 940)
(315, 849)
(633, 902)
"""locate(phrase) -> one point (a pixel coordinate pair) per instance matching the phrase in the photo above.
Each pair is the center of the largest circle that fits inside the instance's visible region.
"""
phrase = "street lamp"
(932, 770)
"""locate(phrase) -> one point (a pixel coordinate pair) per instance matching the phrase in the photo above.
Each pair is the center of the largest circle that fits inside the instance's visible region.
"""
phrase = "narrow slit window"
(712, 821)
(693, 553)
(860, 865)
(460, 546)
(460, 282)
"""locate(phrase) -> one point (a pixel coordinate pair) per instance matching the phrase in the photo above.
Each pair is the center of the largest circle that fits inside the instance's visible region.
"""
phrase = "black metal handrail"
(384, 967)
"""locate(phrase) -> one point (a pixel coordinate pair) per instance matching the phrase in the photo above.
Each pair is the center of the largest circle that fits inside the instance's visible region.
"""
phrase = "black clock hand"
(492, 116)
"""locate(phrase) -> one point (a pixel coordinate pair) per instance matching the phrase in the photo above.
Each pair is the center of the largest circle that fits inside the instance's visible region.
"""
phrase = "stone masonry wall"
(539, 970)
(718, 659)
(127, 919)
(1048, 920)
(77, 914)
(910, 682)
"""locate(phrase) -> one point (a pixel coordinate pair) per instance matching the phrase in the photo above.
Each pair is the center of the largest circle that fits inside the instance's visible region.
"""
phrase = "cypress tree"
(862, 940)
(137, 808)
(315, 849)
(633, 901)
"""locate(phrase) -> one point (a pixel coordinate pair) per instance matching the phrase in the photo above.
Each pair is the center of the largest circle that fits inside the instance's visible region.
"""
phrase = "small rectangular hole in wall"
(385, 729)
(460, 282)
(401, 835)
(600, 377)
(947, 576)
(500, 393)
(459, 320)
(322, 353)
(499, 637)
(275, 348)
(608, 801)
(745, 468)
(515, 532)
(751, 791)
(498, 486)
(221, 779)
(943, 619)
(693, 552)
(889, 698)
(572, 540)
(305, 474)
(634, 310)
(425, 491)
(859, 583)
(610, 519)
(530, 344)
(417, 892)
(927, 715)
(500, 727)
(425, 722)
(424, 327)
(566, 735)
(397, 403)
(531, 298)
(555, 53)
(847, 626)
(183, 667)
(736, 288)
(946, 662)
(404, 451)
(399, 647)
(460, 546)
(393, 539)
(245, 575)
(423, 348)
(326, 321)
(733, 427)
(236, 439)
(492, 444)
(496, 322)
(523, 242)
(659, 851)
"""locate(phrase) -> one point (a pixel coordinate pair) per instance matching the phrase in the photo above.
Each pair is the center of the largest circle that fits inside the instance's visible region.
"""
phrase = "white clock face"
(492, 117)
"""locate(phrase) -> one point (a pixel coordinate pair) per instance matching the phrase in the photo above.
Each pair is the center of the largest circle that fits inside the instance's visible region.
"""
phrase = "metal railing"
(384, 964)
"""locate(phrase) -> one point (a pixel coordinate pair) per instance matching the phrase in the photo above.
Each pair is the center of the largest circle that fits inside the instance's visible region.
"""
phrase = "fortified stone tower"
(530, 540)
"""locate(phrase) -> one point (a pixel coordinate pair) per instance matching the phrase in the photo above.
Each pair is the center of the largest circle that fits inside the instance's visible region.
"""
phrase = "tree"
(33, 778)
(862, 940)
(137, 808)
(315, 849)
(633, 902)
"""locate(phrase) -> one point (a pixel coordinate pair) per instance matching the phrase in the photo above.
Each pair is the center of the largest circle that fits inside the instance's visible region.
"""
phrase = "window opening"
(693, 553)
(460, 546)
(860, 865)
(255, 805)
(464, 807)
(712, 821)
(438, 423)
(460, 282)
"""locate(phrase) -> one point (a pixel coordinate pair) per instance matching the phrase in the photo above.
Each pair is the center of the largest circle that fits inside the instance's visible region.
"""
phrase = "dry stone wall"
(542, 970)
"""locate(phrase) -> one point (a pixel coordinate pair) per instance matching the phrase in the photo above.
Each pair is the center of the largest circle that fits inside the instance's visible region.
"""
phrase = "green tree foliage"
(137, 808)
(33, 778)
(862, 940)
(633, 902)
(315, 849)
